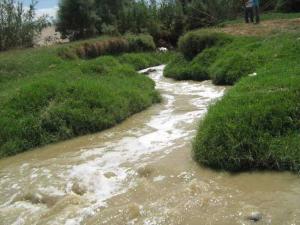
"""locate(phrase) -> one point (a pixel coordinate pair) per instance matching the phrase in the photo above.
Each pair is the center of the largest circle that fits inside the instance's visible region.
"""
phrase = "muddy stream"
(142, 172)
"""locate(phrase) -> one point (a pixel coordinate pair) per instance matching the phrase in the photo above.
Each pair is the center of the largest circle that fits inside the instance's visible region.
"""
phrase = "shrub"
(195, 42)
(18, 27)
(140, 43)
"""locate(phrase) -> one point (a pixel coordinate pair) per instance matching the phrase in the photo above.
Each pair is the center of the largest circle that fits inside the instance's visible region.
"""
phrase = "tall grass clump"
(193, 43)
(224, 63)
(108, 46)
(18, 26)
(140, 43)
(45, 98)
(257, 123)
(229, 69)
(181, 68)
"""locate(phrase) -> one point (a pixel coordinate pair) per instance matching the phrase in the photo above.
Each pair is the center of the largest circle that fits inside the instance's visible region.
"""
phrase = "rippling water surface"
(141, 172)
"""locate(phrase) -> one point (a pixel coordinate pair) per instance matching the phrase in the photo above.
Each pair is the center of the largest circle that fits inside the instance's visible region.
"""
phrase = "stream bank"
(142, 172)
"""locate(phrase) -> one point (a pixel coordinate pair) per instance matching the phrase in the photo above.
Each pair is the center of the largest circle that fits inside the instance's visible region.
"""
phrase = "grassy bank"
(257, 123)
(45, 97)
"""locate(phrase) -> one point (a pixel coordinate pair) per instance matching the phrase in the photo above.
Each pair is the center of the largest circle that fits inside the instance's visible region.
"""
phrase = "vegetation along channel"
(150, 112)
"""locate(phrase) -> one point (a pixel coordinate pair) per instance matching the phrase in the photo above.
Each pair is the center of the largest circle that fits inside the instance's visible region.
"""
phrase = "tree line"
(165, 20)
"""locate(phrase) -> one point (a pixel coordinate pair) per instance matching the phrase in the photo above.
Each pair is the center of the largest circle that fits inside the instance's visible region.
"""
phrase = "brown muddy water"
(142, 172)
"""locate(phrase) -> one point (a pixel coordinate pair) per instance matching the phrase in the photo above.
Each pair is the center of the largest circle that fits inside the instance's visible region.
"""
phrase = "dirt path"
(264, 28)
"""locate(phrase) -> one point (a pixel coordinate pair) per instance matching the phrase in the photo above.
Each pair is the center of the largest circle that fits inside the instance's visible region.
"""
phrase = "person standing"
(256, 11)
(249, 4)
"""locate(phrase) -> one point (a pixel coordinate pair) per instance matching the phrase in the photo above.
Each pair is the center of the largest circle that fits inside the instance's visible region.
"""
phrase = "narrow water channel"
(141, 172)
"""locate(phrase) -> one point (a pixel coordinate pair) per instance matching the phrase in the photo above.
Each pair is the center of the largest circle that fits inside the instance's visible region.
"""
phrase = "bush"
(140, 43)
(18, 27)
(195, 42)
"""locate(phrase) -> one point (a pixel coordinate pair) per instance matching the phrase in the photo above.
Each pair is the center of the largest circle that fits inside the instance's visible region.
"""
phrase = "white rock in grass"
(162, 49)
(253, 75)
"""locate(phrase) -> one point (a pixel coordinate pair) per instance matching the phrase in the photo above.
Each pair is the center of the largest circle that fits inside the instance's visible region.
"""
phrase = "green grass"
(140, 60)
(181, 69)
(257, 123)
(45, 98)
(194, 42)
(227, 64)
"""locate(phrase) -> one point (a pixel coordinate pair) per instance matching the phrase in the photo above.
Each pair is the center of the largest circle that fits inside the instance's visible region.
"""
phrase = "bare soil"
(264, 28)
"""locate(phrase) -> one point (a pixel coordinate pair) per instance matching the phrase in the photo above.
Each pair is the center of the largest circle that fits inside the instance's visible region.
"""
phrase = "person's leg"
(257, 19)
(246, 15)
(251, 15)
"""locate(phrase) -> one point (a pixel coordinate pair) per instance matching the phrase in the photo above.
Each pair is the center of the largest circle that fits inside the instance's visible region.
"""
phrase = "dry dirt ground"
(264, 28)
(49, 37)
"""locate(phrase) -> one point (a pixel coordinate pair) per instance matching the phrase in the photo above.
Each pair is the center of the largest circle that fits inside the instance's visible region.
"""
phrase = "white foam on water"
(103, 172)
(166, 129)
(159, 178)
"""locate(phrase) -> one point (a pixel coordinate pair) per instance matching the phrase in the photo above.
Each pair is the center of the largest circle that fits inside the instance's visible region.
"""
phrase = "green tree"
(288, 5)
(19, 26)
(77, 18)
